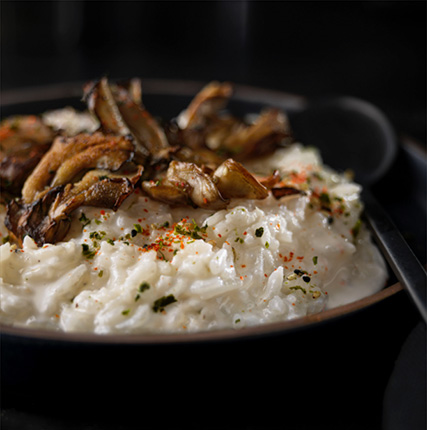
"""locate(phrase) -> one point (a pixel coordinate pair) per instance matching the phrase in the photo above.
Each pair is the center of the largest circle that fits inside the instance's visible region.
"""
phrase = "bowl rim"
(174, 87)
(227, 334)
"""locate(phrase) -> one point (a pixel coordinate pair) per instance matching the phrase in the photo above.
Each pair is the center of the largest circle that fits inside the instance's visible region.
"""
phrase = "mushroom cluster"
(194, 159)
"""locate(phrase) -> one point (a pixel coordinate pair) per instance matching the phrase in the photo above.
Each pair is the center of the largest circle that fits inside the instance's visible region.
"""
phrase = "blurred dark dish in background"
(374, 50)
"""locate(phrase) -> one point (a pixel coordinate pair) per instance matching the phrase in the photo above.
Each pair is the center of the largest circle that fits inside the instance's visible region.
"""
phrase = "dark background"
(368, 49)
(362, 372)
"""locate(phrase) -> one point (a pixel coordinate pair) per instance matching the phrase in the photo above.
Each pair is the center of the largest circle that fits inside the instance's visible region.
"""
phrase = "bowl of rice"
(151, 271)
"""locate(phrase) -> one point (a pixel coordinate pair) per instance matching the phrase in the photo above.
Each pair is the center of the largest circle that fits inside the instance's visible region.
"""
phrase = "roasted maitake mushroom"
(23, 141)
(80, 170)
(193, 160)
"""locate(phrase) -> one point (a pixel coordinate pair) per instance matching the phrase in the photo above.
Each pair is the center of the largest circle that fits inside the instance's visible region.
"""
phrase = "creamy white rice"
(152, 268)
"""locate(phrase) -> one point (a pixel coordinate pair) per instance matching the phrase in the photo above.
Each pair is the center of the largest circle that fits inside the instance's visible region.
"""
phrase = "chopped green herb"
(160, 304)
(259, 232)
(125, 312)
(237, 321)
(137, 297)
(179, 229)
(102, 177)
(324, 198)
(5, 239)
(356, 229)
(138, 228)
(84, 220)
(197, 228)
(110, 241)
(298, 287)
(101, 272)
(315, 260)
(97, 235)
(193, 233)
(87, 252)
(143, 287)
(162, 255)
(267, 245)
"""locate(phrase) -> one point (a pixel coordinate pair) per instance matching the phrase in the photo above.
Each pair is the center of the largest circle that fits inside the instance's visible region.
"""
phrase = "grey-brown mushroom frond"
(195, 159)
(23, 141)
(80, 170)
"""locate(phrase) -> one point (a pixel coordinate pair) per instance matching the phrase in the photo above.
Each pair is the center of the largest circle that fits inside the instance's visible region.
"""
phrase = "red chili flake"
(265, 274)
(102, 212)
(219, 235)
(298, 178)
(245, 233)
(145, 210)
(243, 265)
(289, 258)
(300, 258)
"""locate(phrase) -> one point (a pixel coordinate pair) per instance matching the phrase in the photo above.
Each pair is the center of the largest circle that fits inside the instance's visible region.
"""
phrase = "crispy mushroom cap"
(23, 141)
(262, 137)
(234, 181)
(70, 157)
(185, 183)
(119, 110)
(47, 219)
(206, 103)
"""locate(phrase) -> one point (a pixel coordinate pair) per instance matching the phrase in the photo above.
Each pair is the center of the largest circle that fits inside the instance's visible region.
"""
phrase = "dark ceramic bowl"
(184, 378)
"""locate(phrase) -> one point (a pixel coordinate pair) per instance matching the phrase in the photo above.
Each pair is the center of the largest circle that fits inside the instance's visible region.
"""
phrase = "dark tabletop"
(367, 371)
